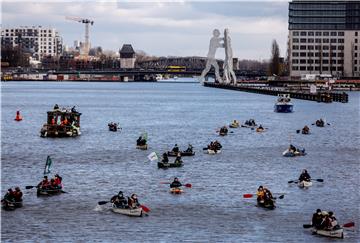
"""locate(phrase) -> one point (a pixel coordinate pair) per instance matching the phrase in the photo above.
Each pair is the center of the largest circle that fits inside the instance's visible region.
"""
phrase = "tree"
(275, 59)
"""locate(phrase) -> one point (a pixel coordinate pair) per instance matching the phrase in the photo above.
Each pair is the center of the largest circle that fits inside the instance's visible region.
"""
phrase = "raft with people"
(48, 191)
(292, 151)
(223, 131)
(176, 190)
(10, 205)
(12, 199)
(141, 142)
(163, 165)
(249, 123)
(133, 212)
(61, 123)
(333, 233)
(320, 123)
(113, 127)
(234, 124)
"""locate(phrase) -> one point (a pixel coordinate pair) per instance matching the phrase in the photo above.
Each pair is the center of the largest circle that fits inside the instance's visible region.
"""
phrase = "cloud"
(160, 28)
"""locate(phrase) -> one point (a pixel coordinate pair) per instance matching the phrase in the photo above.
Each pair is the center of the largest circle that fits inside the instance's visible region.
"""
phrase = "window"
(333, 48)
(356, 40)
(310, 61)
(341, 33)
(341, 54)
(325, 54)
(356, 33)
(355, 54)
(302, 40)
(304, 48)
(295, 68)
(326, 34)
(317, 47)
(302, 61)
(341, 61)
(333, 54)
(295, 54)
(326, 40)
(325, 68)
(294, 61)
(310, 33)
(325, 61)
(333, 40)
(333, 33)
(340, 69)
(355, 47)
(318, 33)
(317, 61)
(303, 33)
(355, 61)
(325, 47)
(295, 33)
(340, 47)
(310, 54)
(317, 40)
(295, 40)
(302, 68)
(303, 54)
(310, 40)
(310, 47)
(295, 47)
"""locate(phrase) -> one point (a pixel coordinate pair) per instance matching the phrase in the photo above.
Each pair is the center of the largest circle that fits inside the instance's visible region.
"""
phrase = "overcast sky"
(161, 28)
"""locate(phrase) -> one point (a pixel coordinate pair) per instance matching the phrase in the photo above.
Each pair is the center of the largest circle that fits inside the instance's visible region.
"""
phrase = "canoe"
(169, 165)
(335, 233)
(266, 205)
(48, 192)
(9, 206)
(234, 125)
(136, 212)
(142, 147)
(183, 153)
(304, 184)
(288, 153)
(176, 190)
(209, 151)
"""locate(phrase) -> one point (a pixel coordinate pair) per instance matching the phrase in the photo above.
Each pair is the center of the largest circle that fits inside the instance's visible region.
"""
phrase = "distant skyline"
(160, 28)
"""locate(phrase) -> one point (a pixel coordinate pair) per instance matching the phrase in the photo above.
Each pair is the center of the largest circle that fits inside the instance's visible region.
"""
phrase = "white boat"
(136, 212)
(338, 233)
(304, 184)
(283, 104)
(288, 153)
(210, 151)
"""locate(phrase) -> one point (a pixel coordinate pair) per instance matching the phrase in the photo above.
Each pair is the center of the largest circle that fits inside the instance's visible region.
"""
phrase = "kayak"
(210, 151)
(176, 190)
(288, 153)
(169, 165)
(266, 205)
(304, 184)
(260, 130)
(142, 147)
(183, 153)
(135, 212)
(9, 206)
(335, 233)
(234, 125)
(48, 192)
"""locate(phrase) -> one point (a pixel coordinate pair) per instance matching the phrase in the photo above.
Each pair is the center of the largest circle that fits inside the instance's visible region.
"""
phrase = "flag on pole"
(47, 165)
(153, 157)
(144, 136)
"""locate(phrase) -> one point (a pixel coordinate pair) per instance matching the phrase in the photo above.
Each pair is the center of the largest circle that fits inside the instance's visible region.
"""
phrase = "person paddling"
(165, 158)
(119, 200)
(176, 183)
(317, 219)
(304, 176)
(44, 183)
(175, 149)
(260, 194)
(133, 201)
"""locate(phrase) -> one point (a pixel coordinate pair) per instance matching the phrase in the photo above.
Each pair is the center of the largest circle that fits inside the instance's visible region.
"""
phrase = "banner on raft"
(47, 165)
(153, 157)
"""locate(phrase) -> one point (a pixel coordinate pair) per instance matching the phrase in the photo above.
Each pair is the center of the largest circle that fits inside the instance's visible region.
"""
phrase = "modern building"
(37, 40)
(127, 56)
(324, 37)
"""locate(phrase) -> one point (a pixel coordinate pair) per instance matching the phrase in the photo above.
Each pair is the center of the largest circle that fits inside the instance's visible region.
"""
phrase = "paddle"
(347, 225)
(297, 131)
(186, 185)
(297, 181)
(249, 195)
(29, 187)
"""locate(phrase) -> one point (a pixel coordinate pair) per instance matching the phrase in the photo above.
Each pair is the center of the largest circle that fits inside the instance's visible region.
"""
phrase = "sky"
(160, 28)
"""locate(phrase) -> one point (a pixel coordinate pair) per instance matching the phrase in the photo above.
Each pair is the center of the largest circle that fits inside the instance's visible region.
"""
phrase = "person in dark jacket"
(317, 219)
(304, 176)
(178, 158)
(175, 149)
(119, 200)
(133, 201)
(165, 158)
(175, 183)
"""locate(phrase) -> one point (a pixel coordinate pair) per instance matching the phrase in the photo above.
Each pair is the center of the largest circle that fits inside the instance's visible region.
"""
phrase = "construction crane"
(86, 47)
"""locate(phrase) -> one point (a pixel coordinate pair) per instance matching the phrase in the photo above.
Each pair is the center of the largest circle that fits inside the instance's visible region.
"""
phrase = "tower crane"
(87, 22)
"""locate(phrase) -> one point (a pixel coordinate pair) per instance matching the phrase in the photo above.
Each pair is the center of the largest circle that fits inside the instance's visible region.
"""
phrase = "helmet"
(120, 192)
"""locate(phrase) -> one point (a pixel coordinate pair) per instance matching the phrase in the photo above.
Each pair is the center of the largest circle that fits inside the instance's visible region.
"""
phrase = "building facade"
(37, 40)
(324, 37)
(127, 56)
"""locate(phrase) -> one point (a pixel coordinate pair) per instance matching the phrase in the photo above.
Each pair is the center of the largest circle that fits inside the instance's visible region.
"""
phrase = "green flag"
(47, 165)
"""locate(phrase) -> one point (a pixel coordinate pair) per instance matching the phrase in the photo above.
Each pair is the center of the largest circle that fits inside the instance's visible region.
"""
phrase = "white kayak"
(304, 184)
(136, 212)
(338, 233)
(210, 151)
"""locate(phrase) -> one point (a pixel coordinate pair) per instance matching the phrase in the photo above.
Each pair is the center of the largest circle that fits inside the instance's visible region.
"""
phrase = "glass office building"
(324, 37)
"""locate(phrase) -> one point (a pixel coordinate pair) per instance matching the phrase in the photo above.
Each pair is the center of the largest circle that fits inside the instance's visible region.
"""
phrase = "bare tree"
(274, 67)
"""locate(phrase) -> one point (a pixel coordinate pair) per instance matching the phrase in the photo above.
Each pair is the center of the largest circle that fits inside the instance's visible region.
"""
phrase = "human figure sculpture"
(215, 42)
(229, 74)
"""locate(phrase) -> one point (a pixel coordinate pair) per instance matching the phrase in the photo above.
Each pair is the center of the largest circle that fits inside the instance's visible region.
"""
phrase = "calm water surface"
(99, 163)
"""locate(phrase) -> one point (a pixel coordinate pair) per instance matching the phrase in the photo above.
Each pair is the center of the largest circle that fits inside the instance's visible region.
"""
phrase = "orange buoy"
(18, 116)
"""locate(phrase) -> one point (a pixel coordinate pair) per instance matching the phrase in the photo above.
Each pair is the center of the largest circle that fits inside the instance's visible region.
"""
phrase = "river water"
(99, 163)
